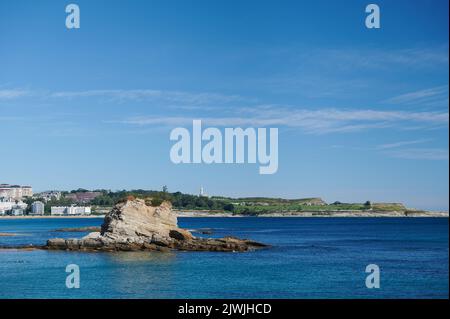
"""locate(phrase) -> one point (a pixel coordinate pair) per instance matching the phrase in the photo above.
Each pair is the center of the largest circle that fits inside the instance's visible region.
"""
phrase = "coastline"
(305, 214)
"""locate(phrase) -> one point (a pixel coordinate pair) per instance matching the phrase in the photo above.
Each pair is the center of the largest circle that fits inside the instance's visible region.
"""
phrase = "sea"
(308, 258)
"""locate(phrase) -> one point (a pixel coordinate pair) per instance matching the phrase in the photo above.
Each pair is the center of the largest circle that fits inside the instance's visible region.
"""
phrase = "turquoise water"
(310, 258)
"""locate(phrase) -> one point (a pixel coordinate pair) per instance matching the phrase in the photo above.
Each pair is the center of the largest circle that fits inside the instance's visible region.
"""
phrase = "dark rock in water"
(80, 229)
(23, 247)
(178, 235)
(136, 226)
(195, 244)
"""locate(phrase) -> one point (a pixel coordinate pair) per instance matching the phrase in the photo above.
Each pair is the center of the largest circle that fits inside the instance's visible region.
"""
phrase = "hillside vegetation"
(242, 206)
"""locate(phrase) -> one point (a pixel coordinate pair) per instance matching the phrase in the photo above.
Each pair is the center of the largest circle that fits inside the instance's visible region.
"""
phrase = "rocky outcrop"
(136, 218)
(137, 225)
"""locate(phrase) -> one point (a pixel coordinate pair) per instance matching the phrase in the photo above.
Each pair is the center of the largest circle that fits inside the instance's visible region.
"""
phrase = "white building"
(37, 208)
(9, 206)
(58, 210)
(70, 210)
(202, 192)
(16, 192)
(78, 210)
(5, 205)
(16, 211)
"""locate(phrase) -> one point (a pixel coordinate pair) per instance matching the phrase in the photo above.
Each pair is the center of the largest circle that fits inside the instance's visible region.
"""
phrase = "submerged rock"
(136, 225)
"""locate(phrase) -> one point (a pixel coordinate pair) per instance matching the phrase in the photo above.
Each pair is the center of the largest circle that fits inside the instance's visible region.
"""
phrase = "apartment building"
(15, 192)
(70, 210)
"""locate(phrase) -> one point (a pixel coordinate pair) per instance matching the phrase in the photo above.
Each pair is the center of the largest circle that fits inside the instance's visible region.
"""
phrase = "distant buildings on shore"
(18, 208)
(13, 197)
(70, 210)
(15, 192)
(8, 206)
(48, 195)
(37, 208)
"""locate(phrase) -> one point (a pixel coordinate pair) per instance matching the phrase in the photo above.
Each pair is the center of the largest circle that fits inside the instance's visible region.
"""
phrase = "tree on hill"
(229, 207)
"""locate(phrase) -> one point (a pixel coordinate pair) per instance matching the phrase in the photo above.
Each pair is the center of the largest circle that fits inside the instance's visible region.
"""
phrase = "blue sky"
(362, 114)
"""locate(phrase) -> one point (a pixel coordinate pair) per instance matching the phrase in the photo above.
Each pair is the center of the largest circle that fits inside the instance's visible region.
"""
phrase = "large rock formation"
(137, 225)
(135, 218)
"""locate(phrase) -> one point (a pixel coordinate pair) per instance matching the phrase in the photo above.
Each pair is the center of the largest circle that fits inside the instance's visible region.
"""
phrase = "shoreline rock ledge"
(136, 225)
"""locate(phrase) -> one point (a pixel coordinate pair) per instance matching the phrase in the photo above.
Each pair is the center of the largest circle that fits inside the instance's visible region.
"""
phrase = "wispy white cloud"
(433, 96)
(417, 57)
(149, 94)
(401, 143)
(342, 73)
(183, 100)
(12, 93)
(401, 150)
(310, 121)
(435, 154)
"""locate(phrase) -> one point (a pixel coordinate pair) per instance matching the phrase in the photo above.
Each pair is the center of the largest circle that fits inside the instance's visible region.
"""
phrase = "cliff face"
(134, 225)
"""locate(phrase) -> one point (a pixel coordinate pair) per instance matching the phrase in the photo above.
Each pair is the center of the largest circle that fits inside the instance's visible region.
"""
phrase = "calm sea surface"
(310, 258)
